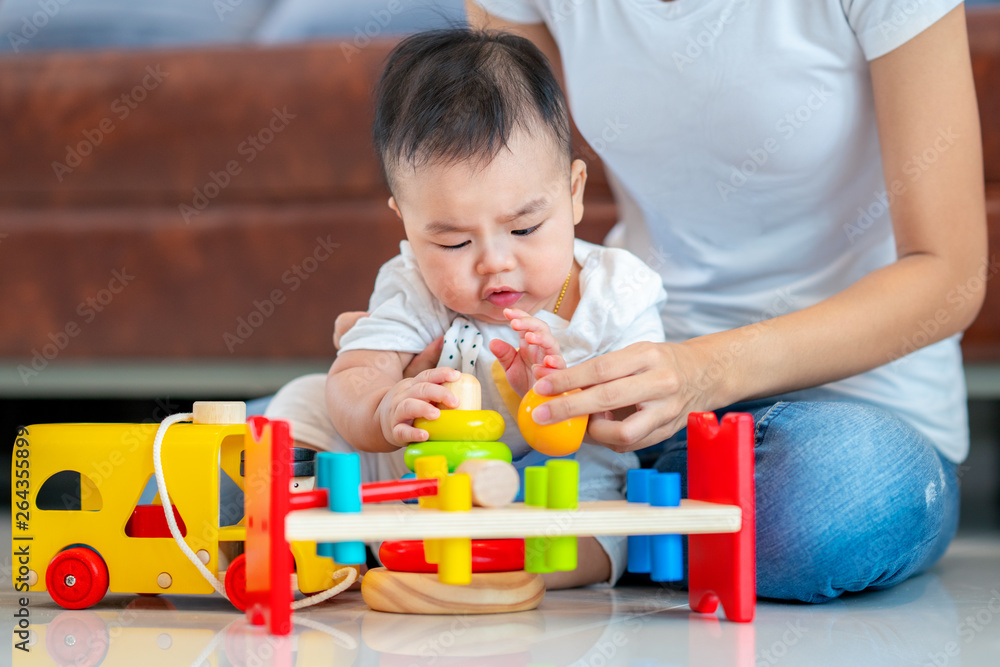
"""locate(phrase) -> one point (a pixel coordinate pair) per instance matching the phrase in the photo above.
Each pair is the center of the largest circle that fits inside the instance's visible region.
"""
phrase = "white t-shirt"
(620, 299)
(741, 145)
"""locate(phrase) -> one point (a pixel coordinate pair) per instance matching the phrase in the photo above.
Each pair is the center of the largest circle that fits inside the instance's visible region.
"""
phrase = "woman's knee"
(848, 496)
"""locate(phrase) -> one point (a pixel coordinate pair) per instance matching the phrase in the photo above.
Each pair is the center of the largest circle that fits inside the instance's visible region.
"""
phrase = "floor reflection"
(917, 623)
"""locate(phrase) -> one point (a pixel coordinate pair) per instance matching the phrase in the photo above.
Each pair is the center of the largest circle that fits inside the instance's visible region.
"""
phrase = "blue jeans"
(849, 497)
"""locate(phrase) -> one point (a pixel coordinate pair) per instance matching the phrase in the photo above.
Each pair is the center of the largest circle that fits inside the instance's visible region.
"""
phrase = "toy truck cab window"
(69, 490)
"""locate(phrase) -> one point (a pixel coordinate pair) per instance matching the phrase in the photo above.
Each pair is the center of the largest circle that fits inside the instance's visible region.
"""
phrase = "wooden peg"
(468, 391)
(494, 483)
(220, 412)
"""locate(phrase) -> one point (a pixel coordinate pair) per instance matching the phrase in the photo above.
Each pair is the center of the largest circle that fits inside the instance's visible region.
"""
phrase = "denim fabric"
(849, 497)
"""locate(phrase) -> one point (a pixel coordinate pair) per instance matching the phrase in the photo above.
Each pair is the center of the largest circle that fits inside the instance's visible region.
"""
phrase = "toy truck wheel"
(236, 582)
(77, 578)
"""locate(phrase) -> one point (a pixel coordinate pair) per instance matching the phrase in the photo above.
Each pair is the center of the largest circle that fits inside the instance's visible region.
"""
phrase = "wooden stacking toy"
(451, 576)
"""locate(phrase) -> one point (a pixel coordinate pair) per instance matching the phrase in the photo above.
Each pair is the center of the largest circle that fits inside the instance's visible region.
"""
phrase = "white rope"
(350, 576)
(168, 511)
(349, 573)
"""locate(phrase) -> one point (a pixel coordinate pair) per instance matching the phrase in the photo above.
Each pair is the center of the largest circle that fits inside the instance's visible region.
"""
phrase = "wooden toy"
(96, 538)
(640, 555)
(722, 568)
(456, 451)
(494, 483)
(666, 550)
(461, 424)
(415, 593)
(341, 477)
(74, 509)
(660, 556)
(468, 392)
(718, 516)
(401, 489)
(554, 487)
(559, 439)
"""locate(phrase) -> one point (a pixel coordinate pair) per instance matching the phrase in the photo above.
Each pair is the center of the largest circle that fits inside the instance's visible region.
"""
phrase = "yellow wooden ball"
(559, 439)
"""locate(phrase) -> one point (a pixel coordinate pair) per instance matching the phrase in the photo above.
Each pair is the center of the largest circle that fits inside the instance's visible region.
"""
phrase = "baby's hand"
(411, 398)
(537, 356)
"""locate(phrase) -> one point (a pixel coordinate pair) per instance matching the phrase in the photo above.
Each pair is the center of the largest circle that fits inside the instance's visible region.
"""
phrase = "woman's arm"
(930, 140)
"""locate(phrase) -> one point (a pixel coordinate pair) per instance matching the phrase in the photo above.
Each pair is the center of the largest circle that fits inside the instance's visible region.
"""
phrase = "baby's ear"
(578, 181)
(392, 205)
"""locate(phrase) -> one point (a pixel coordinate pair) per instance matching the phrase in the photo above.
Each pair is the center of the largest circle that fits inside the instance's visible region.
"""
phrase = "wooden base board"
(416, 593)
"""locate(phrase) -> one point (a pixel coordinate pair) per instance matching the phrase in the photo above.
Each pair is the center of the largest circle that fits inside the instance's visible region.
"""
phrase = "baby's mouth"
(504, 298)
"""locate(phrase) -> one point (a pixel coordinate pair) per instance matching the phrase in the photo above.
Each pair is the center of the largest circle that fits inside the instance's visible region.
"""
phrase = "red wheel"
(236, 582)
(77, 578)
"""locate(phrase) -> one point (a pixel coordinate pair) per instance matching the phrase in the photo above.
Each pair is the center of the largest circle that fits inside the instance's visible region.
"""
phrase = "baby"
(473, 135)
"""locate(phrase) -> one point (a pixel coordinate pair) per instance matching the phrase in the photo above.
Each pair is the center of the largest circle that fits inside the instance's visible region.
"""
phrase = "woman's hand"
(660, 382)
(538, 353)
(423, 361)
(411, 398)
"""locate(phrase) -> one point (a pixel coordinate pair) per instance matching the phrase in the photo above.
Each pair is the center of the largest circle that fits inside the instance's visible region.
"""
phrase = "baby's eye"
(455, 247)
(525, 232)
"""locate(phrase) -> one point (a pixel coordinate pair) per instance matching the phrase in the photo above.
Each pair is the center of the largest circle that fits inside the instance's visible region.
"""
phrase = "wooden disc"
(220, 412)
(415, 593)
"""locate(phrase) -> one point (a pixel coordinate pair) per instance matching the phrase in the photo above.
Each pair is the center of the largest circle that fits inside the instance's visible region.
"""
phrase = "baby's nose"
(495, 260)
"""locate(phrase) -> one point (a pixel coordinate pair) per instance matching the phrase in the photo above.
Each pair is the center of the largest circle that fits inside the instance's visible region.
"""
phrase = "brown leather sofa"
(224, 203)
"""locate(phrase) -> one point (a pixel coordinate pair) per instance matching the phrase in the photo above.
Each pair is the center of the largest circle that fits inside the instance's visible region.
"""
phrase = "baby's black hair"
(458, 94)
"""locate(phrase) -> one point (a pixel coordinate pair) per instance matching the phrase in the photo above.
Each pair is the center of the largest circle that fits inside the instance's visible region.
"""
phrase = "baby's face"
(497, 237)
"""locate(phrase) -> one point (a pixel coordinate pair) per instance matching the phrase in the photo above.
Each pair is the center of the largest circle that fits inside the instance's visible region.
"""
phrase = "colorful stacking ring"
(457, 451)
(468, 425)
(487, 556)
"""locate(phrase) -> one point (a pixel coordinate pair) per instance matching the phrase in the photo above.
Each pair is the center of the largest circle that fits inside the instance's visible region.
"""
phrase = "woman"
(807, 178)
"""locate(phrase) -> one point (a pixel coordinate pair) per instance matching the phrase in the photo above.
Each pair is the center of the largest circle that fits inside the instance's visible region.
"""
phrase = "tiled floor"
(950, 616)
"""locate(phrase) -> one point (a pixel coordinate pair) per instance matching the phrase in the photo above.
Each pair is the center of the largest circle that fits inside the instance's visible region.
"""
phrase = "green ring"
(457, 451)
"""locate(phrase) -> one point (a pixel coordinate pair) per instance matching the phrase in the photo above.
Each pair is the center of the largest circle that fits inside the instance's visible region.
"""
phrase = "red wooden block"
(398, 489)
(150, 521)
(722, 567)
(269, 558)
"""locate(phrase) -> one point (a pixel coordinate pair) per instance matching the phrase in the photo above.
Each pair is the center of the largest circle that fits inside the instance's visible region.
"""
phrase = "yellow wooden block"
(455, 564)
(455, 567)
(455, 493)
(432, 551)
(429, 467)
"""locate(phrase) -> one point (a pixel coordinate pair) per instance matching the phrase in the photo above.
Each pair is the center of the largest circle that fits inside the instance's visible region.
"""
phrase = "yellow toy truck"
(80, 527)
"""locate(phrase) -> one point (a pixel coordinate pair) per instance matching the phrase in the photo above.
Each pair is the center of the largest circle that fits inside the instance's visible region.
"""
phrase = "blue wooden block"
(637, 491)
(667, 556)
(340, 475)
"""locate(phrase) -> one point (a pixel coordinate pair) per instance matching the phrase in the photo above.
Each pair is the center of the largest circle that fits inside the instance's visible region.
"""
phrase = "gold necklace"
(563, 292)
